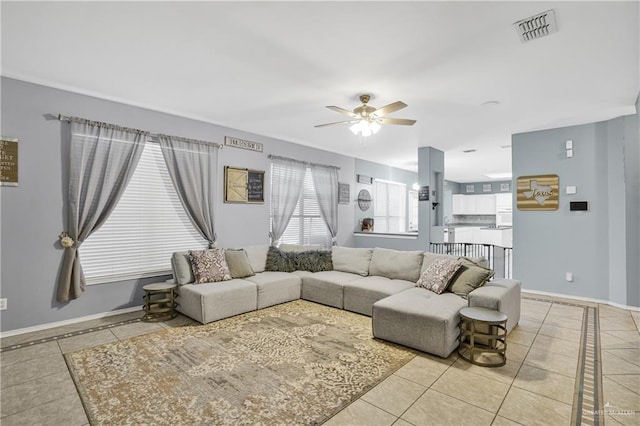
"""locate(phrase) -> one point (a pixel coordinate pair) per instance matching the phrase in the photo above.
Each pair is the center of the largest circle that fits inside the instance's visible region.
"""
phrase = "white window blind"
(306, 225)
(146, 227)
(389, 206)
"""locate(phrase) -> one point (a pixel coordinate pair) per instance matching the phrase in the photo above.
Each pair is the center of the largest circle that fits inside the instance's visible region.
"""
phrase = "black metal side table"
(159, 302)
(483, 332)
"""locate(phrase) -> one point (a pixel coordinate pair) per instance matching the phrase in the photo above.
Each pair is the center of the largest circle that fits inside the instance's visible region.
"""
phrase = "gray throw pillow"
(181, 265)
(313, 261)
(469, 277)
(280, 261)
(238, 263)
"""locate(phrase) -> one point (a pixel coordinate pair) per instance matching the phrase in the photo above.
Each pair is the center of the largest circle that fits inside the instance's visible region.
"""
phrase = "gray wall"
(31, 214)
(600, 246)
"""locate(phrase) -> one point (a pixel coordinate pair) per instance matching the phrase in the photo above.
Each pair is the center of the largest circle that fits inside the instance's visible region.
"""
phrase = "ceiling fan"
(366, 120)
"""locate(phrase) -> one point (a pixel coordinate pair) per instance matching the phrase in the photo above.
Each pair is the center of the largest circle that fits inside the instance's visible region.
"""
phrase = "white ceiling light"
(365, 128)
(502, 175)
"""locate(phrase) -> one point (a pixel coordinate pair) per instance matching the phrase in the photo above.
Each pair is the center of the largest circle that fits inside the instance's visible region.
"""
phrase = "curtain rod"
(148, 134)
(277, 157)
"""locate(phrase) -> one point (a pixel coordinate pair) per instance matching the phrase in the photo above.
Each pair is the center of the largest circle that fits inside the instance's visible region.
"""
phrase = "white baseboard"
(584, 299)
(69, 321)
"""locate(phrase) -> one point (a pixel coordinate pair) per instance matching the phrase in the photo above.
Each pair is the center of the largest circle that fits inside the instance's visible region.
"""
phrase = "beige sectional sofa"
(380, 283)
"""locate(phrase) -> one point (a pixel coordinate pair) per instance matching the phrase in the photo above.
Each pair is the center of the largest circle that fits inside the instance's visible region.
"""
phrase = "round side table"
(483, 332)
(159, 302)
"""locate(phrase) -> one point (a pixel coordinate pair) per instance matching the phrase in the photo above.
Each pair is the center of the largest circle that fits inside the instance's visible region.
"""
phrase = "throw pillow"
(182, 270)
(238, 263)
(313, 261)
(469, 277)
(437, 275)
(280, 261)
(209, 266)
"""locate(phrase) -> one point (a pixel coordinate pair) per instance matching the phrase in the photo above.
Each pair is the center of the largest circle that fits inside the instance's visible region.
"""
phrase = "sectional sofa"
(379, 282)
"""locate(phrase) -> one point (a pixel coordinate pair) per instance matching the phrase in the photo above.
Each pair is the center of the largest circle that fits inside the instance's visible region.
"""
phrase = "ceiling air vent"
(537, 26)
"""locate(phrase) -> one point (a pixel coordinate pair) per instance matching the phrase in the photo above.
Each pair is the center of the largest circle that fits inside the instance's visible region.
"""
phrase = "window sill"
(399, 235)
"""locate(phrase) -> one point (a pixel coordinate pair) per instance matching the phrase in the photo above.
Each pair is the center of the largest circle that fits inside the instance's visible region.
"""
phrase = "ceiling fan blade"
(342, 110)
(337, 122)
(388, 109)
(401, 121)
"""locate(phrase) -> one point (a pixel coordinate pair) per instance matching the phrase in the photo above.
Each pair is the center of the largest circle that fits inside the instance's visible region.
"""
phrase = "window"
(306, 225)
(146, 227)
(413, 210)
(389, 206)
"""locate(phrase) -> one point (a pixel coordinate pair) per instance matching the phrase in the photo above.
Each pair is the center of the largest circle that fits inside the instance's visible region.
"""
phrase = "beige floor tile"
(528, 408)
(29, 352)
(178, 321)
(437, 409)
(361, 413)
(564, 323)
(135, 329)
(66, 411)
(33, 393)
(612, 364)
(423, 370)
(504, 374)
(88, 340)
(22, 372)
(529, 325)
(394, 395)
(610, 341)
(546, 383)
(516, 352)
(629, 381)
(521, 337)
(533, 316)
(632, 355)
(619, 397)
(625, 419)
(557, 346)
(556, 363)
(476, 390)
(561, 333)
(564, 311)
(502, 421)
(527, 305)
(614, 324)
(401, 422)
(612, 311)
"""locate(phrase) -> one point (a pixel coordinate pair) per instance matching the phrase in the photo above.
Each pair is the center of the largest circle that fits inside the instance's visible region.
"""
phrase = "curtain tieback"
(67, 242)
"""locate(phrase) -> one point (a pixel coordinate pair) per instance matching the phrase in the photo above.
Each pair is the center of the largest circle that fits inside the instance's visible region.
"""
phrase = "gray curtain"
(325, 182)
(193, 167)
(103, 158)
(287, 180)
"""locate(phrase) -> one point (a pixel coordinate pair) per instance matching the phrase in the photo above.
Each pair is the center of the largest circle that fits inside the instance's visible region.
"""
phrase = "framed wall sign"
(423, 193)
(243, 185)
(343, 193)
(8, 161)
(539, 192)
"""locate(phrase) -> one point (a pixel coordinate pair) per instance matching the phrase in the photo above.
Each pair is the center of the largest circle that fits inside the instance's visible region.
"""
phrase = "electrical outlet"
(569, 276)
(3, 304)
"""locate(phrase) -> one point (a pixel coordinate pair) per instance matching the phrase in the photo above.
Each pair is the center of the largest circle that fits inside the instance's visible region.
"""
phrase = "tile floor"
(536, 386)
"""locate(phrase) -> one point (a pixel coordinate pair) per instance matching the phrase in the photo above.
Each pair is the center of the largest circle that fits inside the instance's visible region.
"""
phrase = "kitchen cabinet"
(484, 204)
(502, 237)
(504, 201)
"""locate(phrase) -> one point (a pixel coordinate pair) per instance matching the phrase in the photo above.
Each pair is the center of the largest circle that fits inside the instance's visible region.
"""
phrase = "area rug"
(296, 363)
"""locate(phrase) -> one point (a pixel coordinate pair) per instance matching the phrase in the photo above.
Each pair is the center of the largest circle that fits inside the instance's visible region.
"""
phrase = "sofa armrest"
(501, 295)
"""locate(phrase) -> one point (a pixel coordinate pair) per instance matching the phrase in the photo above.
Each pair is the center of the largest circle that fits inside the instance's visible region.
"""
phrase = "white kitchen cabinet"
(484, 204)
(504, 201)
(478, 235)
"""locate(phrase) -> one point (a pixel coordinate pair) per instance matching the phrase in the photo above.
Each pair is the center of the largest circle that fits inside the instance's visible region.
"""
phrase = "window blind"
(146, 227)
(389, 206)
(306, 225)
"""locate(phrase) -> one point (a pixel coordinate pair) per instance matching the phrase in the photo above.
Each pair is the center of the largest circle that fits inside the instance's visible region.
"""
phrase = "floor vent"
(536, 26)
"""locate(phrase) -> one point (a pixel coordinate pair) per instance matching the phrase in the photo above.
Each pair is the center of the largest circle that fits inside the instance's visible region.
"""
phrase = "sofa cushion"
(209, 266)
(469, 277)
(352, 260)
(257, 257)
(238, 263)
(276, 287)
(361, 294)
(327, 287)
(296, 248)
(394, 264)
(181, 265)
(438, 275)
(214, 301)
(280, 261)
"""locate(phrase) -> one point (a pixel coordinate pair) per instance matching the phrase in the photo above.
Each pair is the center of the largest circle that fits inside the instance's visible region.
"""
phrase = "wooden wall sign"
(241, 143)
(538, 192)
(8, 161)
(243, 185)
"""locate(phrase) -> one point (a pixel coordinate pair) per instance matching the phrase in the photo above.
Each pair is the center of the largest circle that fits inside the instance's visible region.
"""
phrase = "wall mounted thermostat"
(578, 206)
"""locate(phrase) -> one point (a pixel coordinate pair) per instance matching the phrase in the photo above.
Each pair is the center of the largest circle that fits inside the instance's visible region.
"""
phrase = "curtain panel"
(325, 182)
(287, 180)
(193, 168)
(103, 158)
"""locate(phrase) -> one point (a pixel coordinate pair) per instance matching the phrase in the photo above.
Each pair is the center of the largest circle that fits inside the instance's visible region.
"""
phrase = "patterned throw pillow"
(209, 266)
(437, 275)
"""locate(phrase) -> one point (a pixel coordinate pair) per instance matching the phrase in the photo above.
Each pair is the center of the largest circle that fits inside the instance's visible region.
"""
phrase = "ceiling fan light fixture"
(365, 128)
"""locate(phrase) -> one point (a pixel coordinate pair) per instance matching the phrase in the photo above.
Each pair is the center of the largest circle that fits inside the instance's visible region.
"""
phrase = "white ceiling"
(271, 68)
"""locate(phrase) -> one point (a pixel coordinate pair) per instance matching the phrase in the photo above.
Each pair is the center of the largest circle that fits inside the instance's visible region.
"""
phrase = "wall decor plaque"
(241, 143)
(243, 185)
(344, 192)
(539, 192)
(8, 161)
(364, 200)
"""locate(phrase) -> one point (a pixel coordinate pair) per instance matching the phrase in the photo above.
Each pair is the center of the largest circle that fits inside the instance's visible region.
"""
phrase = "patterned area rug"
(296, 363)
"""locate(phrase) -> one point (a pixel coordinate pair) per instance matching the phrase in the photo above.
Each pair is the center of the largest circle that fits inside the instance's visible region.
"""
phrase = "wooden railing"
(498, 258)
